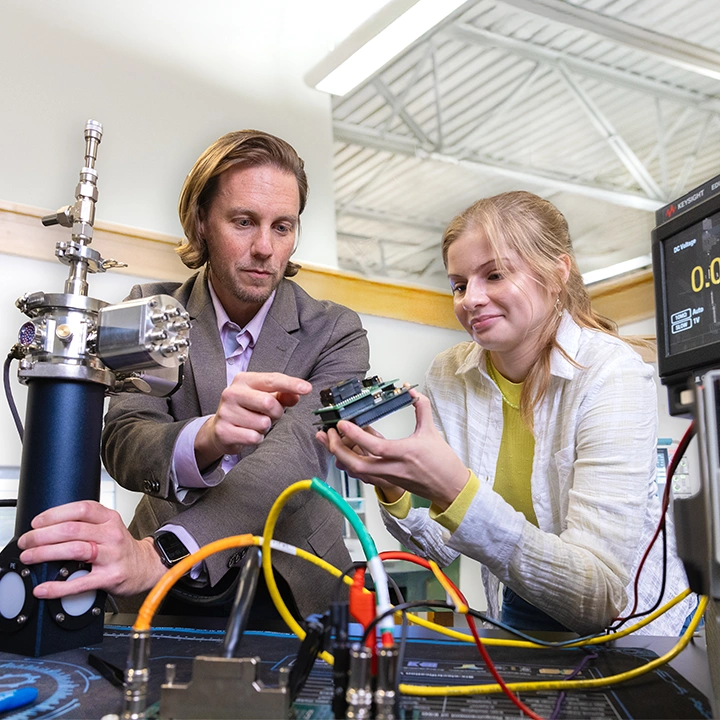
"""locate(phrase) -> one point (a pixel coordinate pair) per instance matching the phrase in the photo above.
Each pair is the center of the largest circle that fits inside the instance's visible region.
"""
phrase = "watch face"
(170, 548)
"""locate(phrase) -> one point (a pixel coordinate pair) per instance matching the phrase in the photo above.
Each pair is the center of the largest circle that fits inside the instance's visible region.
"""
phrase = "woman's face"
(503, 310)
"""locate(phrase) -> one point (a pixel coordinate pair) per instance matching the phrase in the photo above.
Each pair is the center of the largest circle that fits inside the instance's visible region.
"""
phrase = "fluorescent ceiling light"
(618, 269)
(377, 41)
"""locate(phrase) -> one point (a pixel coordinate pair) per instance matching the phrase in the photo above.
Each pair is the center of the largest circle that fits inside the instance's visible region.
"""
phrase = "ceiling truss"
(399, 126)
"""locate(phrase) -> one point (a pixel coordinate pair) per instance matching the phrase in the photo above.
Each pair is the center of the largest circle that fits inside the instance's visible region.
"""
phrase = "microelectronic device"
(361, 401)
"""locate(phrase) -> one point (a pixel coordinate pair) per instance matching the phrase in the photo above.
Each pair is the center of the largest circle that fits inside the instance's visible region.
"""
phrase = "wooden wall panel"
(152, 255)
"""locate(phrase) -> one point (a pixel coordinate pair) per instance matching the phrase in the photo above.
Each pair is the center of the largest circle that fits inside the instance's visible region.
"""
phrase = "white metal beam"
(357, 237)
(680, 185)
(411, 82)
(503, 107)
(367, 137)
(606, 73)
(661, 142)
(438, 97)
(618, 144)
(400, 110)
(695, 58)
(368, 180)
(669, 135)
(394, 218)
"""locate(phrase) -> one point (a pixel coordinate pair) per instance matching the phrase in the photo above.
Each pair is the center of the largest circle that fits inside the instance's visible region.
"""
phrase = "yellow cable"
(431, 690)
(516, 687)
(427, 624)
(272, 587)
(598, 640)
(158, 593)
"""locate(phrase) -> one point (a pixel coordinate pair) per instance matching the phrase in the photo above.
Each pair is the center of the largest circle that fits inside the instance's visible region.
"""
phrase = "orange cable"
(163, 586)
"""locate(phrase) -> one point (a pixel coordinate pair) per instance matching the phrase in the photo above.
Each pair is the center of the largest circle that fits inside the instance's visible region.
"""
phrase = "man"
(213, 458)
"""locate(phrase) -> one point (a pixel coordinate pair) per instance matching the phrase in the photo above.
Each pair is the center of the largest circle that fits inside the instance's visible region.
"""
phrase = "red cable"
(399, 555)
(484, 653)
(677, 456)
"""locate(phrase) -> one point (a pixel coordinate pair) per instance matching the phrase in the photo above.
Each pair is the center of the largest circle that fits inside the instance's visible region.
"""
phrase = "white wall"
(166, 79)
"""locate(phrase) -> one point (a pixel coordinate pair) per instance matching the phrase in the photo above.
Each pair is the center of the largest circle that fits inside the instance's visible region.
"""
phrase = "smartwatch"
(170, 548)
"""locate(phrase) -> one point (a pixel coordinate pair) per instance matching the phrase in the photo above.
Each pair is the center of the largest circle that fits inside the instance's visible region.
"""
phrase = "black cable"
(677, 456)
(311, 645)
(339, 584)
(12, 355)
(661, 595)
(405, 606)
(339, 621)
(483, 618)
(8, 502)
(240, 613)
(402, 647)
(110, 600)
(398, 595)
(400, 600)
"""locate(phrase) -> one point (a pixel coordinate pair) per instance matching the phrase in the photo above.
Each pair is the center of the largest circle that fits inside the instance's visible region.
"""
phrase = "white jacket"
(593, 485)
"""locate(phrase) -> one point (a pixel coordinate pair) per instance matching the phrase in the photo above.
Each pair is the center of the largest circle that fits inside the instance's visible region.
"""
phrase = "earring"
(558, 306)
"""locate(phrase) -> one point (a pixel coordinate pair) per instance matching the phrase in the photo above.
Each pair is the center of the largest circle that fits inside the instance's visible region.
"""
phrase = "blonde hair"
(537, 232)
(247, 148)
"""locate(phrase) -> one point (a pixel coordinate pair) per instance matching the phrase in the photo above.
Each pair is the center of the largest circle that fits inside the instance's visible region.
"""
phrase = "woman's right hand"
(422, 463)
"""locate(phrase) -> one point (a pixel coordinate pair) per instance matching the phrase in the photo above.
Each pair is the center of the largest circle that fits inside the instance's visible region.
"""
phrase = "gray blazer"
(319, 341)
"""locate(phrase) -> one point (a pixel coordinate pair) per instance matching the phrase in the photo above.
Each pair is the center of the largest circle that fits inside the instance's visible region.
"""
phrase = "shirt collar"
(253, 328)
(568, 337)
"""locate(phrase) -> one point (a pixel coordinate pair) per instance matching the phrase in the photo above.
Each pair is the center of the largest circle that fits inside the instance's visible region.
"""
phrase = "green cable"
(368, 544)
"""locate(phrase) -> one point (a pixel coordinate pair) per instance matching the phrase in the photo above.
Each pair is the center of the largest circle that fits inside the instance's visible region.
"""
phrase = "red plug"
(362, 606)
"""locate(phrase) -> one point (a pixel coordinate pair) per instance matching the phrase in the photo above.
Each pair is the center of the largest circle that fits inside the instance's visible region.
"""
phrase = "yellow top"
(517, 447)
(512, 472)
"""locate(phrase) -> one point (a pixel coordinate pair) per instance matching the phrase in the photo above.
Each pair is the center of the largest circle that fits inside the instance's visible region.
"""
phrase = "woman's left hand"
(422, 463)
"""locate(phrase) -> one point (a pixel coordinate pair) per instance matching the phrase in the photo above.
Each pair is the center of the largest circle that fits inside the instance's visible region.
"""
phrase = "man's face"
(250, 229)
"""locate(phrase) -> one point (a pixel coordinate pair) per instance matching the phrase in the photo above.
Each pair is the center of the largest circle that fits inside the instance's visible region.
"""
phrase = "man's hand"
(87, 531)
(248, 408)
(423, 463)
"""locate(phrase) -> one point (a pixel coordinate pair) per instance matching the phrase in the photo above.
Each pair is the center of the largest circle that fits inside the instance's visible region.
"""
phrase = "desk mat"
(69, 688)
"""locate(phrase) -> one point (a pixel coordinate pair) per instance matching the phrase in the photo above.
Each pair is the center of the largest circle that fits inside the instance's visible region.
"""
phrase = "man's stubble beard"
(245, 294)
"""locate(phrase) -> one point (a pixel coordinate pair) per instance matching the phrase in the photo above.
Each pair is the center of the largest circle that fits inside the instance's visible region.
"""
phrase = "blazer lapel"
(276, 343)
(206, 357)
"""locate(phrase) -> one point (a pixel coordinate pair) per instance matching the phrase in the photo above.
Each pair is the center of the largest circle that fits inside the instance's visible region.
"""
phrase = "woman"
(540, 462)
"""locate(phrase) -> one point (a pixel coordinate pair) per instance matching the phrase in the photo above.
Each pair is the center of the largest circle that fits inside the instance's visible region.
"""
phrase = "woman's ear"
(564, 264)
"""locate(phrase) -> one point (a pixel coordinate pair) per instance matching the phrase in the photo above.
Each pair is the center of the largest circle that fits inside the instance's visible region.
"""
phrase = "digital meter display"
(692, 282)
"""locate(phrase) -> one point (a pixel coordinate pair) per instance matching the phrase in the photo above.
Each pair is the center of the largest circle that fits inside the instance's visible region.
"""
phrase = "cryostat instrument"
(72, 352)
(138, 345)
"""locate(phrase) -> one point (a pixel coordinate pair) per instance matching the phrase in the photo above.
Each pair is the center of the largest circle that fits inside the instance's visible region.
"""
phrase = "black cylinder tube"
(61, 447)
